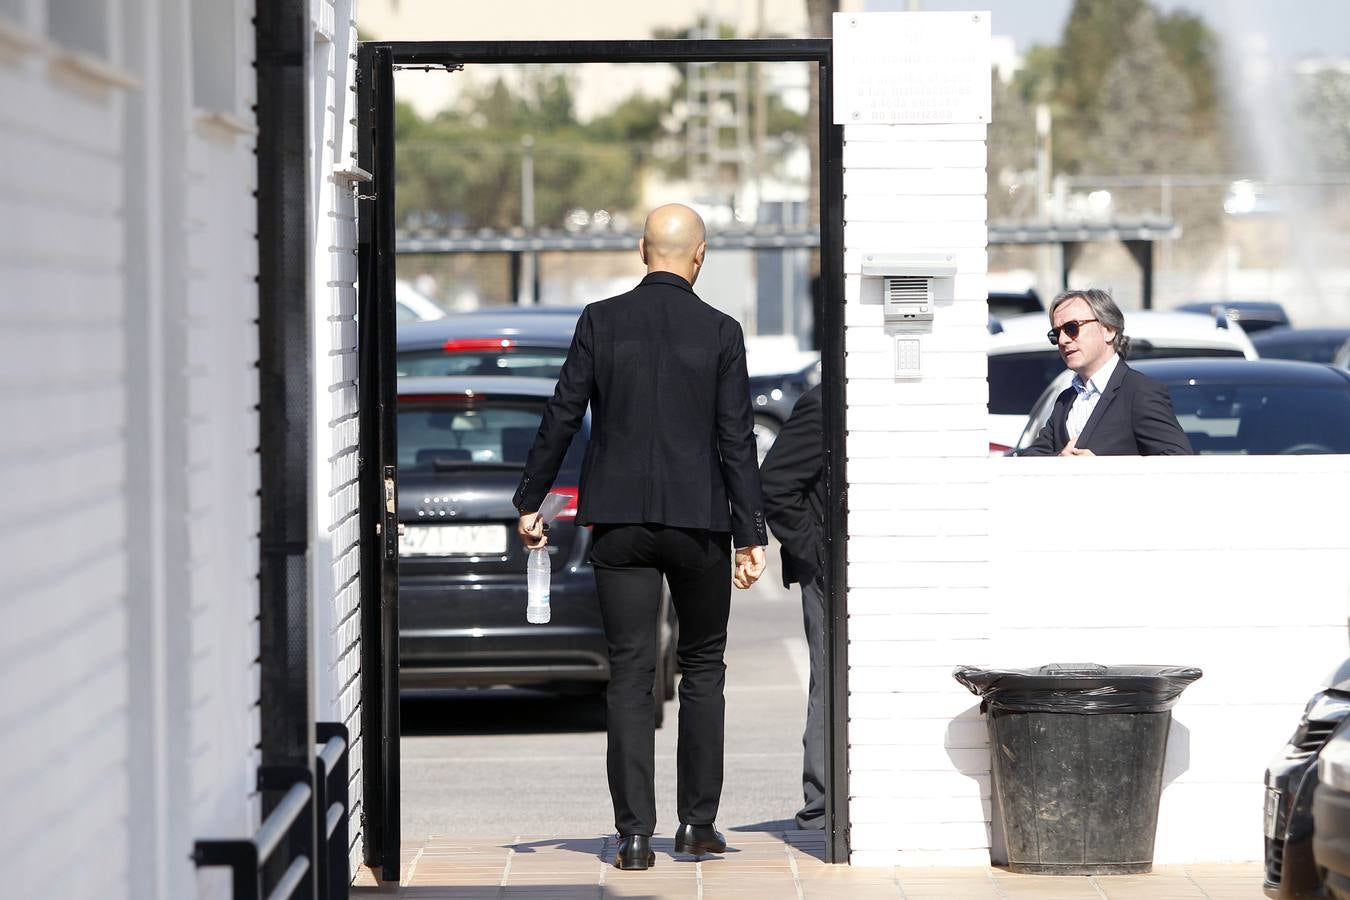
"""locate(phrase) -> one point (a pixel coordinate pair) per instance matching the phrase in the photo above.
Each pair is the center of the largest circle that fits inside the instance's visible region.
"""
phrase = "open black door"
(378, 473)
(379, 524)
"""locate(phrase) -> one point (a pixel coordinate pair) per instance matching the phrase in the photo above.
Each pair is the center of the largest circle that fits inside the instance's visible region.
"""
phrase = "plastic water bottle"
(537, 571)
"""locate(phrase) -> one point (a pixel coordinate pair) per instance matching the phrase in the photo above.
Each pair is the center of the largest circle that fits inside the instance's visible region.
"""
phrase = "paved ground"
(767, 865)
(464, 755)
(517, 784)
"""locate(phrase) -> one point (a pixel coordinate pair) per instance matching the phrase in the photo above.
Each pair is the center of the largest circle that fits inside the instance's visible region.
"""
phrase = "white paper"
(552, 505)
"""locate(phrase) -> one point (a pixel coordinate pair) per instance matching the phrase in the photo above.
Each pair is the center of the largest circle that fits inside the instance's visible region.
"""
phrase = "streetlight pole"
(528, 284)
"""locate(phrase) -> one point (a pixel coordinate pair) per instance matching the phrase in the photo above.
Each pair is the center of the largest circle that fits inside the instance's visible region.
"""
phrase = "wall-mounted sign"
(894, 68)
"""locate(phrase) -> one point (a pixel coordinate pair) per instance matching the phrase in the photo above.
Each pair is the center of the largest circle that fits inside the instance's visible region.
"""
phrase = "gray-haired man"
(1110, 409)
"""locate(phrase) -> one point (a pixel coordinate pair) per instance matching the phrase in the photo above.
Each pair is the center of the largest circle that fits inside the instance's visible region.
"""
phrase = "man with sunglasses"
(1109, 409)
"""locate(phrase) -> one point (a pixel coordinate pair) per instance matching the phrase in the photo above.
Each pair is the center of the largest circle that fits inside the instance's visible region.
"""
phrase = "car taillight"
(570, 510)
(999, 449)
(472, 345)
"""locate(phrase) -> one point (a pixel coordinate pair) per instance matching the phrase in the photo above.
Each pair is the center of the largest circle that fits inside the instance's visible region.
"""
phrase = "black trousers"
(629, 561)
(812, 813)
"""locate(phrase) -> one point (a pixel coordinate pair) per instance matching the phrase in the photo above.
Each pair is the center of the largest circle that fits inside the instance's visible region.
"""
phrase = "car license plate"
(1272, 811)
(452, 540)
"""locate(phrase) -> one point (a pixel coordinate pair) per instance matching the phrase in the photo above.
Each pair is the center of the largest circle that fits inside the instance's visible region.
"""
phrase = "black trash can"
(1077, 761)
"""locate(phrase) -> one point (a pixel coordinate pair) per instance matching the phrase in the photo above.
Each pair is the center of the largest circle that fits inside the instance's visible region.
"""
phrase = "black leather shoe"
(635, 852)
(699, 839)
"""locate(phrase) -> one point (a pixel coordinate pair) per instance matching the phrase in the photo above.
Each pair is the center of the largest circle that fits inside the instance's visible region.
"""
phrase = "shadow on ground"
(500, 711)
(778, 825)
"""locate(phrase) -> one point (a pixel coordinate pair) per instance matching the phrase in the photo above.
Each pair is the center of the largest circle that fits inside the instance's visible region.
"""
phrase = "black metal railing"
(318, 864)
(333, 877)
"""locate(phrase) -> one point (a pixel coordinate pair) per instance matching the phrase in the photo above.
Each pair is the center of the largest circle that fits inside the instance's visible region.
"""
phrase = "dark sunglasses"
(1069, 328)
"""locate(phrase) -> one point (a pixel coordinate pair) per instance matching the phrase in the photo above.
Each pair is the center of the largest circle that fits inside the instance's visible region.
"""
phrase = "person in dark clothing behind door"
(670, 485)
(793, 479)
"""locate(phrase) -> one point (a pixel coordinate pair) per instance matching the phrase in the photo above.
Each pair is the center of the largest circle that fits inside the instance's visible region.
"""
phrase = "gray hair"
(1104, 310)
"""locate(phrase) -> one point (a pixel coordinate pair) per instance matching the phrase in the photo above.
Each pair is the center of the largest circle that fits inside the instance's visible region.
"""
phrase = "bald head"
(673, 241)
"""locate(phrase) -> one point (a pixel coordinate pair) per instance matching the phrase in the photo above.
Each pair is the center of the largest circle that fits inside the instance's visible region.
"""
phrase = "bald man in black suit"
(670, 485)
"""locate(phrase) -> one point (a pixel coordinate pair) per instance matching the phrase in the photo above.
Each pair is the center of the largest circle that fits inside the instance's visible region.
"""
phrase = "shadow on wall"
(1178, 758)
(967, 746)
(962, 750)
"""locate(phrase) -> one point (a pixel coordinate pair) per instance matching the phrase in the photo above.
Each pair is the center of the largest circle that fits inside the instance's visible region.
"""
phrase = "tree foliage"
(463, 167)
(1012, 151)
(1109, 51)
(1324, 111)
(1146, 122)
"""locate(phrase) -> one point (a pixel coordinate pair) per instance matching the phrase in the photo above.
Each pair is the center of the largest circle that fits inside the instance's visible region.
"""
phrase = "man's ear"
(642, 250)
(698, 253)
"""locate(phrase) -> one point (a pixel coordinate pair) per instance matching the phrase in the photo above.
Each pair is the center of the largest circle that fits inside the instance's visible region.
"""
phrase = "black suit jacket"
(1133, 417)
(793, 475)
(672, 433)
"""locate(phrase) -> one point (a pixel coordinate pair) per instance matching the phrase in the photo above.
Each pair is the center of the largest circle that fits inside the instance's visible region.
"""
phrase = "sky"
(1293, 28)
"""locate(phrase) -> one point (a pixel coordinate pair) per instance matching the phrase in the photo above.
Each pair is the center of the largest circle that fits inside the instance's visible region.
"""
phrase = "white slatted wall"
(128, 467)
(336, 552)
(63, 451)
(222, 509)
(918, 503)
(918, 479)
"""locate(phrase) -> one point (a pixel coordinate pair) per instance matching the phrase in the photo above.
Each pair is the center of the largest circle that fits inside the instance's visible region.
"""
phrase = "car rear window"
(438, 435)
(1320, 350)
(523, 361)
(1255, 419)
(1016, 380)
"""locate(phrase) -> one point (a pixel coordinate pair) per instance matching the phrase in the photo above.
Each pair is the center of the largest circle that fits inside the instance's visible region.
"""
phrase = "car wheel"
(766, 432)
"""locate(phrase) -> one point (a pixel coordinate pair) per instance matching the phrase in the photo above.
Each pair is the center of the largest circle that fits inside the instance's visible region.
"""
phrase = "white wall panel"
(918, 549)
(63, 496)
(222, 478)
(129, 472)
(335, 526)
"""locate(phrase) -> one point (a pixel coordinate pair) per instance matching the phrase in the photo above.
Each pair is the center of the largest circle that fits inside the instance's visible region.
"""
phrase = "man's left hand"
(532, 531)
(749, 566)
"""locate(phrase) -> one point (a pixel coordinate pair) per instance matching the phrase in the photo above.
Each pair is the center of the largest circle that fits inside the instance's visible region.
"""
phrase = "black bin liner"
(1078, 756)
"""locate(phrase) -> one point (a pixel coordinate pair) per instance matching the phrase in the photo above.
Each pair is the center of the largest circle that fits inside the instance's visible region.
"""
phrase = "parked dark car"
(1291, 780)
(532, 342)
(487, 343)
(1304, 344)
(772, 398)
(462, 444)
(1242, 406)
(1331, 814)
(1009, 303)
(1252, 315)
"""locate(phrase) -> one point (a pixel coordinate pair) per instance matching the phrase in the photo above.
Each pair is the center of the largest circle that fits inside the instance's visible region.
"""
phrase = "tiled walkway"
(768, 865)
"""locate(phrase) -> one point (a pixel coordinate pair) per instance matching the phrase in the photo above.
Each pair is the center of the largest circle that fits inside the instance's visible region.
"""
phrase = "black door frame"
(377, 325)
(377, 61)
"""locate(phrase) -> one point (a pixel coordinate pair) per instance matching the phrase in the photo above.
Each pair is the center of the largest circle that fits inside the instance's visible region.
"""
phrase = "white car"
(1022, 361)
(412, 306)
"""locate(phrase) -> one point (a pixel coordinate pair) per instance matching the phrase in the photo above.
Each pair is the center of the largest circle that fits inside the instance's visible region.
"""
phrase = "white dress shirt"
(1088, 395)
